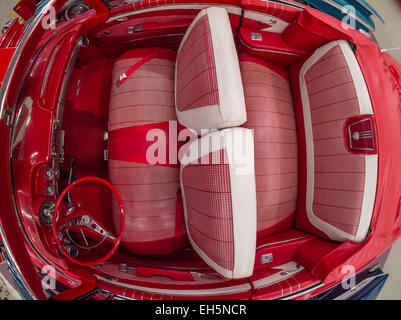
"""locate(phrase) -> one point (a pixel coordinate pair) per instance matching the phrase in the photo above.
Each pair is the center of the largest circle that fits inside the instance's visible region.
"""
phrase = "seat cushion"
(271, 115)
(339, 185)
(149, 192)
(209, 93)
(219, 200)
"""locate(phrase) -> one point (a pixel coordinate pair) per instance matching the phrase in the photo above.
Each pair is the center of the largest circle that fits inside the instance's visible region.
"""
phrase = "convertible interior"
(300, 100)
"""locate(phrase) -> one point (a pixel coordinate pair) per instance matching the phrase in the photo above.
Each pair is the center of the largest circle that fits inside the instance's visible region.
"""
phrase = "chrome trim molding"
(303, 292)
(284, 272)
(266, 50)
(349, 13)
(280, 242)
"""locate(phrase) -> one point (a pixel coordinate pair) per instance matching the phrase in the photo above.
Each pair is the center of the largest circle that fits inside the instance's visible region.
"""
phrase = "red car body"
(29, 247)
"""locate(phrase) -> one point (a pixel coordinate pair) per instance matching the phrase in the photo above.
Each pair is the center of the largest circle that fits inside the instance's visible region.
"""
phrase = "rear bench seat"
(333, 189)
(338, 172)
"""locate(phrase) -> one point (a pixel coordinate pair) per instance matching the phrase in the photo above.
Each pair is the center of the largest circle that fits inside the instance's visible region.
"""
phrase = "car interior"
(265, 74)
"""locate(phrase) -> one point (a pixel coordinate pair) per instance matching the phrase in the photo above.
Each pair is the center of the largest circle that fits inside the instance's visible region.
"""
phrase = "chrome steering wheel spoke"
(86, 221)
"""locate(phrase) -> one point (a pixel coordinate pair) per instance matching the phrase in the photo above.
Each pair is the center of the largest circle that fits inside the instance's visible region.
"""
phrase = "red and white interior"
(297, 96)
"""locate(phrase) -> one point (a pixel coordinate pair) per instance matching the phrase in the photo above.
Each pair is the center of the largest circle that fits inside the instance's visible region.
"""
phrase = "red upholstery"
(270, 113)
(196, 69)
(281, 246)
(209, 93)
(149, 192)
(219, 200)
(208, 204)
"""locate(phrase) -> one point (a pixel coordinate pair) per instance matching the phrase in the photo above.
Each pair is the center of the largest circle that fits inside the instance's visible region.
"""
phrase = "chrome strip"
(288, 3)
(11, 264)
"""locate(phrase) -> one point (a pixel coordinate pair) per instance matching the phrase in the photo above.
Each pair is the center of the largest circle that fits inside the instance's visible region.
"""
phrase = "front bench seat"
(218, 192)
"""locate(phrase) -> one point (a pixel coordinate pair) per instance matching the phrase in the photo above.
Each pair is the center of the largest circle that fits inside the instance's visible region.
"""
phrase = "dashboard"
(37, 141)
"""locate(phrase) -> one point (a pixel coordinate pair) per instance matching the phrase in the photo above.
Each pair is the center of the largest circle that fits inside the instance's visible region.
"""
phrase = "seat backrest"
(337, 145)
(218, 190)
(208, 87)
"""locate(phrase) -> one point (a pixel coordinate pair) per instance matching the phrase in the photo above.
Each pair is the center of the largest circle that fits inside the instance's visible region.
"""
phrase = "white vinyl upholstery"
(208, 85)
(218, 189)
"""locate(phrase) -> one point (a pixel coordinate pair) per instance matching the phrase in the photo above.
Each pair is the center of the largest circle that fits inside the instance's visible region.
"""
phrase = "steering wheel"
(81, 219)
